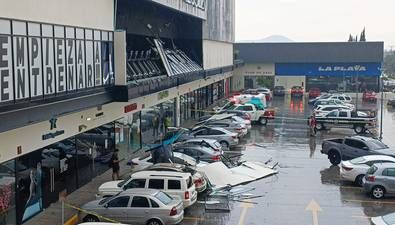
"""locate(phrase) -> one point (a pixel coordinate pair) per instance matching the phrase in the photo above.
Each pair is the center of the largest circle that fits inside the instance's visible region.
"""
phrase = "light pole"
(381, 102)
(357, 90)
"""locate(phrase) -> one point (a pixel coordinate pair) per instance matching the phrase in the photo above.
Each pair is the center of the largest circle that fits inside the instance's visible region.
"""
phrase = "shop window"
(7, 193)
(30, 176)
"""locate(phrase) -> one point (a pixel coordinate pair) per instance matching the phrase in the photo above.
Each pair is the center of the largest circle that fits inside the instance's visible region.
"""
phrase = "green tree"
(362, 38)
(350, 38)
(389, 63)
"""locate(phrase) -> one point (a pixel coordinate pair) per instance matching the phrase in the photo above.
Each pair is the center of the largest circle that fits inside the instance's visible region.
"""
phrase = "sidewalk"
(52, 215)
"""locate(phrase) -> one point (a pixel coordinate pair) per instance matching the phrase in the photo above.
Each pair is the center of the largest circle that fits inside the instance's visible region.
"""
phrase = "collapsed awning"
(221, 176)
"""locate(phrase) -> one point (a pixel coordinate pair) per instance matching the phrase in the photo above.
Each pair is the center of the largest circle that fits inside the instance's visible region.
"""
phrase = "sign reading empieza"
(38, 60)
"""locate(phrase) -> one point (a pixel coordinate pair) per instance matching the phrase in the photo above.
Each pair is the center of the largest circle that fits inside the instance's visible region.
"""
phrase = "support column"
(177, 113)
(120, 58)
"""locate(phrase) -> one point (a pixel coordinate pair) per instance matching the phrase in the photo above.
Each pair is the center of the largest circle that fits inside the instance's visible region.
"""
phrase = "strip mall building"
(323, 65)
(78, 78)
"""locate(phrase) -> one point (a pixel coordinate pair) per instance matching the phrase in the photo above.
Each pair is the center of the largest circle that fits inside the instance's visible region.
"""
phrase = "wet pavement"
(304, 175)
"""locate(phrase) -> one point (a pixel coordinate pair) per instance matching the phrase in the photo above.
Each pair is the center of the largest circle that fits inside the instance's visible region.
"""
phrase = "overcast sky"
(316, 20)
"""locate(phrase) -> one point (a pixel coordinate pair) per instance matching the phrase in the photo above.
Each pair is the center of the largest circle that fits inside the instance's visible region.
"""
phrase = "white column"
(120, 57)
(177, 113)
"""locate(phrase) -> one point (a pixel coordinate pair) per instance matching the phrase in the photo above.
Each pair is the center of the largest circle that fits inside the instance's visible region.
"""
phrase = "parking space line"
(361, 217)
(194, 218)
(351, 187)
(370, 201)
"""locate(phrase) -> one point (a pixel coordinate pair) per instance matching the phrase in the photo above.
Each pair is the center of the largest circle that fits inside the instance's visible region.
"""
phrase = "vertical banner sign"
(90, 79)
(60, 63)
(71, 70)
(80, 64)
(6, 73)
(21, 68)
(97, 59)
(49, 70)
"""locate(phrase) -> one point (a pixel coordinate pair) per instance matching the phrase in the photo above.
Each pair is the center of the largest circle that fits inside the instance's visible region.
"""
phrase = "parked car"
(346, 118)
(380, 180)
(321, 97)
(257, 113)
(137, 206)
(242, 115)
(339, 149)
(198, 178)
(183, 159)
(297, 91)
(172, 183)
(200, 152)
(226, 138)
(354, 170)
(322, 102)
(99, 223)
(391, 102)
(279, 91)
(388, 219)
(341, 97)
(369, 96)
(314, 92)
(210, 143)
(267, 92)
(322, 111)
(227, 121)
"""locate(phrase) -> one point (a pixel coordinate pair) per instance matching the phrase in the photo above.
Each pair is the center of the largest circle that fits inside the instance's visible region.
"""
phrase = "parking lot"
(305, 176)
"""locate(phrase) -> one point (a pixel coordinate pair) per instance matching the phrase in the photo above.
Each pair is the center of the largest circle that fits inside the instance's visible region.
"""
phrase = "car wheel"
(358, 180)
(319, 126)
(359, 129)
(334, 157)
(91, 218)
(154, 222)
(263, 121)
(378, 192)
(224, 145)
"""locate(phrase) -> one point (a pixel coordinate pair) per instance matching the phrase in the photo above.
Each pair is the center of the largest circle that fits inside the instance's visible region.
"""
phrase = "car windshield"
(358, 160)
(120, 184)
(389, 219)
(376, 145)
(163, 197)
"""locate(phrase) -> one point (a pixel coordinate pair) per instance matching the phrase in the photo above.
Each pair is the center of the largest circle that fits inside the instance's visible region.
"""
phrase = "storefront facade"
(340, 66)
(67, 99)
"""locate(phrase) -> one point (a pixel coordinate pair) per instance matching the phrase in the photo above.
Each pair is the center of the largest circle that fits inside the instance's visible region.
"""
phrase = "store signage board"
(327, 69)
(42, 60)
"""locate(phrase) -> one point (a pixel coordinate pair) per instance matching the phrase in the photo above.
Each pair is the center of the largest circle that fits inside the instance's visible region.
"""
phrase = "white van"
(179, 185)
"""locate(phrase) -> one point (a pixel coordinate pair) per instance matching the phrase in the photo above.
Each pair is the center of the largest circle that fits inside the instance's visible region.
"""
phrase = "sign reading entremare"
(39, 60)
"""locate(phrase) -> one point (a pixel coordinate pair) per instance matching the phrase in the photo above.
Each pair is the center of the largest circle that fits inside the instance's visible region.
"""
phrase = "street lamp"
(381, 102)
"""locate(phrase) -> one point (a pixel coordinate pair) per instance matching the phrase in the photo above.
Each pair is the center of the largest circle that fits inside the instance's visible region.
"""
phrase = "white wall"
(29, 138)
(258, 69)
(288, 81)
(97, 14)
(217, 54)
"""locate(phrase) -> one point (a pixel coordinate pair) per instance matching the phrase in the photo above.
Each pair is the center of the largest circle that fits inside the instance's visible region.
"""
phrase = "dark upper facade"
(310, 52)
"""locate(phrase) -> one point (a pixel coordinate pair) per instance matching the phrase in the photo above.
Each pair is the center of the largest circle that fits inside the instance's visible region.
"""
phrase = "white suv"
(176, 184)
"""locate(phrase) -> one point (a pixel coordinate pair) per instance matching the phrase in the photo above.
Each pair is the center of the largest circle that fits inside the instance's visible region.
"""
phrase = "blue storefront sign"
(328, 69)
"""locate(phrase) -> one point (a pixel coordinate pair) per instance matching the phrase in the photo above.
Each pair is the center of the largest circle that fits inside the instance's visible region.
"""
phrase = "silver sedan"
(136, 206)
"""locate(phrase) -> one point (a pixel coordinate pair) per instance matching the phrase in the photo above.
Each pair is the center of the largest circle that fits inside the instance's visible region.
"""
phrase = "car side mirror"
(105, 205)
(365, 148)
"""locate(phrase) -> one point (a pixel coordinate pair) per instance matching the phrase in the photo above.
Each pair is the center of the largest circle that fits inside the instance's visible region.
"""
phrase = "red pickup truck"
(369, 96)
(297, 91)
